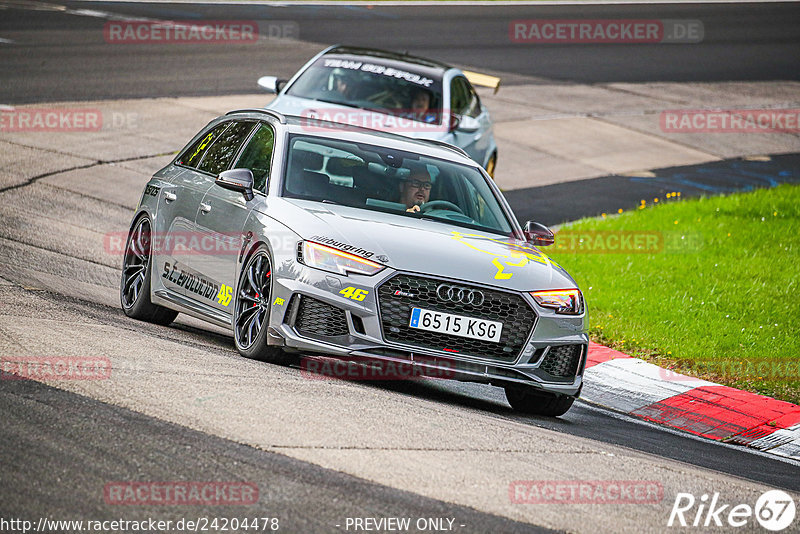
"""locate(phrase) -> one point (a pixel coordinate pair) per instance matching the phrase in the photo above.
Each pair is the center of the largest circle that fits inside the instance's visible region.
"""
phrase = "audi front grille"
(399, 294)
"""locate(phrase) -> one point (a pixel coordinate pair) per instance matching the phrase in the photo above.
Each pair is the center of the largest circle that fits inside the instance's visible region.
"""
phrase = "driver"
(420, 104)
(416, 189)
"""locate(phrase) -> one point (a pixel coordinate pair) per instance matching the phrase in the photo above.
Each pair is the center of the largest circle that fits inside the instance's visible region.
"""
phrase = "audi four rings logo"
(459, 294)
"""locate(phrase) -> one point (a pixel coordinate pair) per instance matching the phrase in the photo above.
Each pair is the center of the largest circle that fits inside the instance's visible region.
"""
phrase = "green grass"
(718, 301)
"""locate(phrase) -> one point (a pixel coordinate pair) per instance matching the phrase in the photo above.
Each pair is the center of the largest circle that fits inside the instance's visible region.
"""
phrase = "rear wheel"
(524, 400)
(134, 289)
(252, 310)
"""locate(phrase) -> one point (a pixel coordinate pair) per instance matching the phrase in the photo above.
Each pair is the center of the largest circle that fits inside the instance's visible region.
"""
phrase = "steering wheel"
(440, 204)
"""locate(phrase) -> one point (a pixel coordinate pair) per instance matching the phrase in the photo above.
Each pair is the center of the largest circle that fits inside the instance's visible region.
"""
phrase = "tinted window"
(222, 151)
(195, 153)
(463, 99)
(257, 155)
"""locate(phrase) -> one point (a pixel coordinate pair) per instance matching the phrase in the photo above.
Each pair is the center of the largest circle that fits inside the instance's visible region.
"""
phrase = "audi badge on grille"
(460, 295)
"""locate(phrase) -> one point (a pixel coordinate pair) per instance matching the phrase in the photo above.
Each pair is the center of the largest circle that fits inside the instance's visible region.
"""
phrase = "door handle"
(169, 197)
(205, 208)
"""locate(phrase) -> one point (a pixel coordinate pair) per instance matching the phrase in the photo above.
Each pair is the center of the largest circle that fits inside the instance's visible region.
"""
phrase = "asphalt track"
(59, 56)
(65, 430)
(59, 448)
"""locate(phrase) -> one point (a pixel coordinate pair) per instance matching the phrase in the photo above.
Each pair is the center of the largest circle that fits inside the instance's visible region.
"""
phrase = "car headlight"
(564, 301)
(335, 261)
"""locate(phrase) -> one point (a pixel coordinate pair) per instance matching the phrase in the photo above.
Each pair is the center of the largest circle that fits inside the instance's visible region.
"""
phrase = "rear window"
(220, 155)
(192, 156)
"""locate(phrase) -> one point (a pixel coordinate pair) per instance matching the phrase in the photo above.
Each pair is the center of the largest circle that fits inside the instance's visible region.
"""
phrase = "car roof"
(341, 131)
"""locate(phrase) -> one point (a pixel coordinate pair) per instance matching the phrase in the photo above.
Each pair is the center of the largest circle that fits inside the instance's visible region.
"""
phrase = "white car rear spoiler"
(484, 80)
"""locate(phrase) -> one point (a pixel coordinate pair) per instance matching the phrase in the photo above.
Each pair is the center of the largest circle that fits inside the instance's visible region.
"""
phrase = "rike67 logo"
(774, 510)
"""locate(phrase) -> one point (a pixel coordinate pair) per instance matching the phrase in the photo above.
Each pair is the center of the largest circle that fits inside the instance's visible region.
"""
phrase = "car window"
(380, 179)
(191, 157)
(257, 156)
(221, 153)
(373, 84)
(463, 98)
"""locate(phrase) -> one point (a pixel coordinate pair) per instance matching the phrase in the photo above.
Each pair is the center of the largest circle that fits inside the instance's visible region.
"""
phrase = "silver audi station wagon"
(317, 238)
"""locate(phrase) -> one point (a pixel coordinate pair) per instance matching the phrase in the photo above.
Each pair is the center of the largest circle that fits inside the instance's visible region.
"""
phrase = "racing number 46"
(353, 293)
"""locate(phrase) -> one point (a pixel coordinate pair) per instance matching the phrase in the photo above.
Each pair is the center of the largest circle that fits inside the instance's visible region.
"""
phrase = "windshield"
(373, 85)
(390, 181)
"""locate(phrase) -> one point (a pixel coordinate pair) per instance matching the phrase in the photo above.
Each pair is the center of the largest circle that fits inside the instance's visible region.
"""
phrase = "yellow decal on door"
(224, 296)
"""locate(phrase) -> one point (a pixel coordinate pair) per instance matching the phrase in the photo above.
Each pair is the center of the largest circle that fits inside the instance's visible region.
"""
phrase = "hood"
(424, 246)
(304, 107)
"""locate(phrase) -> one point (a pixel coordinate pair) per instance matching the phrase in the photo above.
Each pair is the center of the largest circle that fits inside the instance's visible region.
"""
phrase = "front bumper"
(315, 318)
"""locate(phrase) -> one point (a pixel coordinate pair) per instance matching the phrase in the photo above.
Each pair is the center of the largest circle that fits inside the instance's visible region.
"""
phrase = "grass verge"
(706, 287)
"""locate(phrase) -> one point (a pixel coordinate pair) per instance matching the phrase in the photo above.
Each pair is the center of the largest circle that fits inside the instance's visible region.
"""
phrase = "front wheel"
(251, 310)
(538, 403)
(134, 289)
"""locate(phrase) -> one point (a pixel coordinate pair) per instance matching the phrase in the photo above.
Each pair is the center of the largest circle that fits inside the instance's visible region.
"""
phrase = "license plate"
(455, 325)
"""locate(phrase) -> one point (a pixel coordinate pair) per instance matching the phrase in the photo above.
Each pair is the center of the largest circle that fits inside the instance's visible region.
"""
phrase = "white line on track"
(6, 41)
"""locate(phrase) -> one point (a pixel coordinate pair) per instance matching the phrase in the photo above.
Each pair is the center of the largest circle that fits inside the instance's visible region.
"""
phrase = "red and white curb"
(635, 387)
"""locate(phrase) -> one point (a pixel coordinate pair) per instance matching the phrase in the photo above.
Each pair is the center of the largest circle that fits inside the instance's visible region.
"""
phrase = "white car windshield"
(391, 181)
(372, 84)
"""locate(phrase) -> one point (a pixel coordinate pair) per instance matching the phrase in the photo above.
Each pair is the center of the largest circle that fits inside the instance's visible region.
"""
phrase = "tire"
(134, 287)
(491, 165)
(251, 311)
(536, 402)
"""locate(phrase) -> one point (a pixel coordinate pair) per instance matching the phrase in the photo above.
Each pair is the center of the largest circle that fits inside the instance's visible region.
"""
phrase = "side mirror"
(538, 234)
(468, 124)
(271, 84)
(240, 180)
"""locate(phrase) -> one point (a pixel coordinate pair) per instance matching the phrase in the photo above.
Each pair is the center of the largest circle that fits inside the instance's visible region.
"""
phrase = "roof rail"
(445, 145)
(275, 114)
